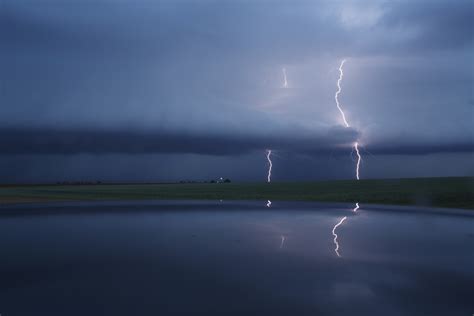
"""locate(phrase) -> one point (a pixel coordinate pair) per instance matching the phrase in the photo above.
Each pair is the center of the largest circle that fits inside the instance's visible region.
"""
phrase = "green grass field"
(439, 192)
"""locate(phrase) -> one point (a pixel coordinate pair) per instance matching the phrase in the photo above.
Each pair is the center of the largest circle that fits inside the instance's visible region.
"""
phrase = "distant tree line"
(227, 180)
(78, 182)
(221, 180)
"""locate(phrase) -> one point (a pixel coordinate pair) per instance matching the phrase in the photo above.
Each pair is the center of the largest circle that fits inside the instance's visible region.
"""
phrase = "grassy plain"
(455, 192)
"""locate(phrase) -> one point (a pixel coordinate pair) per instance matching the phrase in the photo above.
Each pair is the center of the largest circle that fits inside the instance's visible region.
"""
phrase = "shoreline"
(455, 193)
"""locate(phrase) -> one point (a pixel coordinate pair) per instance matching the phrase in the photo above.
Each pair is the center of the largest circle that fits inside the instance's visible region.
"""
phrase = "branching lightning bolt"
(336, 250)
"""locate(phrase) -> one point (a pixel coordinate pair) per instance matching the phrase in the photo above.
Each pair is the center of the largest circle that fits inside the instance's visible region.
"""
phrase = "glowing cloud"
(285, 81)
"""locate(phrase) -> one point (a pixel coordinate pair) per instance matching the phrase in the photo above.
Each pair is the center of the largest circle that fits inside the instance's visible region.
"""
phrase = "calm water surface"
(234, 258)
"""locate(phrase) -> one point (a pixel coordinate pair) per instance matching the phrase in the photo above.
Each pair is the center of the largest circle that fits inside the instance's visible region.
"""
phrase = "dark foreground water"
(234, 258)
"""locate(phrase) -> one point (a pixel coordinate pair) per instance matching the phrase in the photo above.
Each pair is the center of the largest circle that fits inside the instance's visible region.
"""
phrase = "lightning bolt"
(285, 81)
(339, 89)
(359, 158)
(356, 208)
(336, 97)
(336, 250)
(269, 175)
(270, 165)
(269, 151)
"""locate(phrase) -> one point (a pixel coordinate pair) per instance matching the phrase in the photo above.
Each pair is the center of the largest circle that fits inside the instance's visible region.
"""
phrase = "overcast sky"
(152, 90)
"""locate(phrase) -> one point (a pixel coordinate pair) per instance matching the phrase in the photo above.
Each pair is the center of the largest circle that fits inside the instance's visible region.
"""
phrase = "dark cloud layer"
(54, 141)
(338, 142)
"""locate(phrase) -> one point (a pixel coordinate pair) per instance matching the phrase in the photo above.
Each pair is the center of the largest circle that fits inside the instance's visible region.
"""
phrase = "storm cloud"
(205, 77)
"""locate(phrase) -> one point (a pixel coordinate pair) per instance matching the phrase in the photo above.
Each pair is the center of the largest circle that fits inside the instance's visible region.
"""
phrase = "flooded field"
(234, 258)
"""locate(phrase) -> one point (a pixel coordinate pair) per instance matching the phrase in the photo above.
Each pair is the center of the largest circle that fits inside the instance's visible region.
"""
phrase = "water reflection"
(190, 257)
(336, 243)
(282, 241)
(336, 250)
(356, 208)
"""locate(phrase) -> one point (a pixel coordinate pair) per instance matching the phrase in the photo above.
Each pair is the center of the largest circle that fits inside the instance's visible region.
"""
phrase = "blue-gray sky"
(153, 90)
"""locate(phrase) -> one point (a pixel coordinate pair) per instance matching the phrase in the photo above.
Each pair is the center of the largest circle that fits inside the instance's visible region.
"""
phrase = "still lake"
(234, 258)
